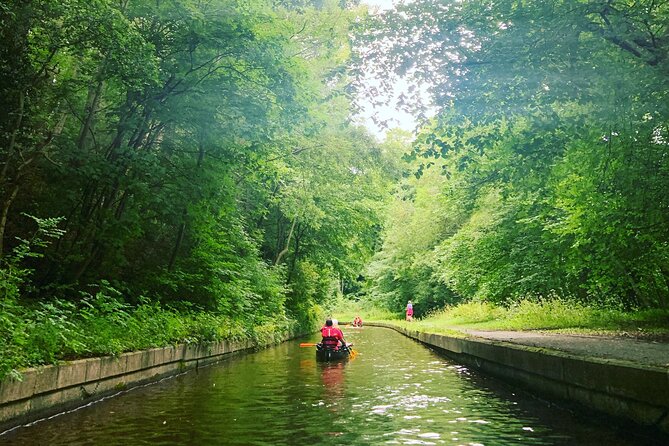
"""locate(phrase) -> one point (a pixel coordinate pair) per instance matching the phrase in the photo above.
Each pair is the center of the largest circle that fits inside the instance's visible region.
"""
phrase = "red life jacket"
(331, 336)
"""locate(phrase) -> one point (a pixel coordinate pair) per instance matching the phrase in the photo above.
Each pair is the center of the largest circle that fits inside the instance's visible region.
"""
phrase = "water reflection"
(332, 377)
(394, 392)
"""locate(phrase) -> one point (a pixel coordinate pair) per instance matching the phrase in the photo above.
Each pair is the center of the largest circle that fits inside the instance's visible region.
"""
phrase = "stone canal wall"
(48, 390)
(621, 389)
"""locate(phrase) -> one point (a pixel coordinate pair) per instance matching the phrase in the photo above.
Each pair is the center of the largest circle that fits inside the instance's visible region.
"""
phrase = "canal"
(394, 391)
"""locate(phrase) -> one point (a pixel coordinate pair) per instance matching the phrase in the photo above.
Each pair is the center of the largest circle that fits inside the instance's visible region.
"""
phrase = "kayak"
(331, 355)
(328, 354)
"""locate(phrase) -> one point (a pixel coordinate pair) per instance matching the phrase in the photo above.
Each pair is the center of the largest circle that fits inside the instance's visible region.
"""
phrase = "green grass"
(345, 310)
(58, 330)
(545, 315)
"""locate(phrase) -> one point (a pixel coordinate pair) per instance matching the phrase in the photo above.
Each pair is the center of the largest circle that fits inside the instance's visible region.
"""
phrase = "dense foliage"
(198, 154)
(185, 170)
(551, 146)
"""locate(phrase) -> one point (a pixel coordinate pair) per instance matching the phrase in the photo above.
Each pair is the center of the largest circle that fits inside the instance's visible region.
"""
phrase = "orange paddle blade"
(307, 344)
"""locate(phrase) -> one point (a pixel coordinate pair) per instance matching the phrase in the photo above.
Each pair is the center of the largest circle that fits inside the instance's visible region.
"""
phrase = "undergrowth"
(548, 314)
(103, 324)
(34, 333)
(345, 310)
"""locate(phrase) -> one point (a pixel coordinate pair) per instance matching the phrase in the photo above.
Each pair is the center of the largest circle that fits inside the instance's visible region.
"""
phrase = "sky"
(396, 117)
(382, 4)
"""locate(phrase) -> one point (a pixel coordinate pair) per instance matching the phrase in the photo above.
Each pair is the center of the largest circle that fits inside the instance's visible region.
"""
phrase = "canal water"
(394, 391)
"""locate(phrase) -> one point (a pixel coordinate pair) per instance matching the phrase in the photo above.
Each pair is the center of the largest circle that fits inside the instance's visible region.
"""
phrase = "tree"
(199, 152)
(550, 114)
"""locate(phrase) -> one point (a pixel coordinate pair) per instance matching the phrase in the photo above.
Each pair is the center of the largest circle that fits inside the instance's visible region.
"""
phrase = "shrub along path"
(644, 352)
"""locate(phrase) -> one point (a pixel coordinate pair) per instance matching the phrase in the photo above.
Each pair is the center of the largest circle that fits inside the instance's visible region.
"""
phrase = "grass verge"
(101, 325)
(544, 315)
(345, 310)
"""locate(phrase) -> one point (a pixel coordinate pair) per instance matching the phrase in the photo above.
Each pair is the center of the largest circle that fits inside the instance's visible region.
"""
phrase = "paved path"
(642, 352)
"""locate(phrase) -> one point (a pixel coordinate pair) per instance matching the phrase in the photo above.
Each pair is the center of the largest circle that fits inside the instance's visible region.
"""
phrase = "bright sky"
(382, 4)
(395, 117)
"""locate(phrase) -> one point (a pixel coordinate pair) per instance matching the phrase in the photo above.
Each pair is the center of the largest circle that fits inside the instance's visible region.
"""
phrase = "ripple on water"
(394, 392)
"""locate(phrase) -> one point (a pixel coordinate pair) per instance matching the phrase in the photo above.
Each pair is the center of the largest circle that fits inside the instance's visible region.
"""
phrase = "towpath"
(643, 352)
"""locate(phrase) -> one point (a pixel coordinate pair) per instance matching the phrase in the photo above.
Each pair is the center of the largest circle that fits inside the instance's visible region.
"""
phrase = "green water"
(395, 391)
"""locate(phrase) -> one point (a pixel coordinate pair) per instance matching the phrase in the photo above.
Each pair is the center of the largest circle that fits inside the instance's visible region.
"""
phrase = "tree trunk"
(285, 250)
(91, 107)
(182, 227)
(12, 140)
(296, 254)
(177, 243)
(3, 217)
(84, 266)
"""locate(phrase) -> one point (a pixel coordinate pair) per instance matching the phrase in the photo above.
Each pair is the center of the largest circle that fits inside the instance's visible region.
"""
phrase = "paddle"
(309, 344)
(352, 353)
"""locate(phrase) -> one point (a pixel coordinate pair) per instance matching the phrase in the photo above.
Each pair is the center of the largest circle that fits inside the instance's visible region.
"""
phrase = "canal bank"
(394, 391)
(626, 389)
(44, 391)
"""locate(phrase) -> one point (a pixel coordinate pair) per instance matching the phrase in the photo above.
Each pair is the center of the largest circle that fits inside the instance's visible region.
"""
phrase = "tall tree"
(548, 114)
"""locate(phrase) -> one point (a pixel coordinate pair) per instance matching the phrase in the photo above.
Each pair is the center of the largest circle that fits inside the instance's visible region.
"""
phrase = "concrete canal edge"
(621, 389)
(48, 390)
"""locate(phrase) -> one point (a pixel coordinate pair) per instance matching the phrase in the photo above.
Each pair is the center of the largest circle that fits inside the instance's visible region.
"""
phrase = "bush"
(104, 324)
